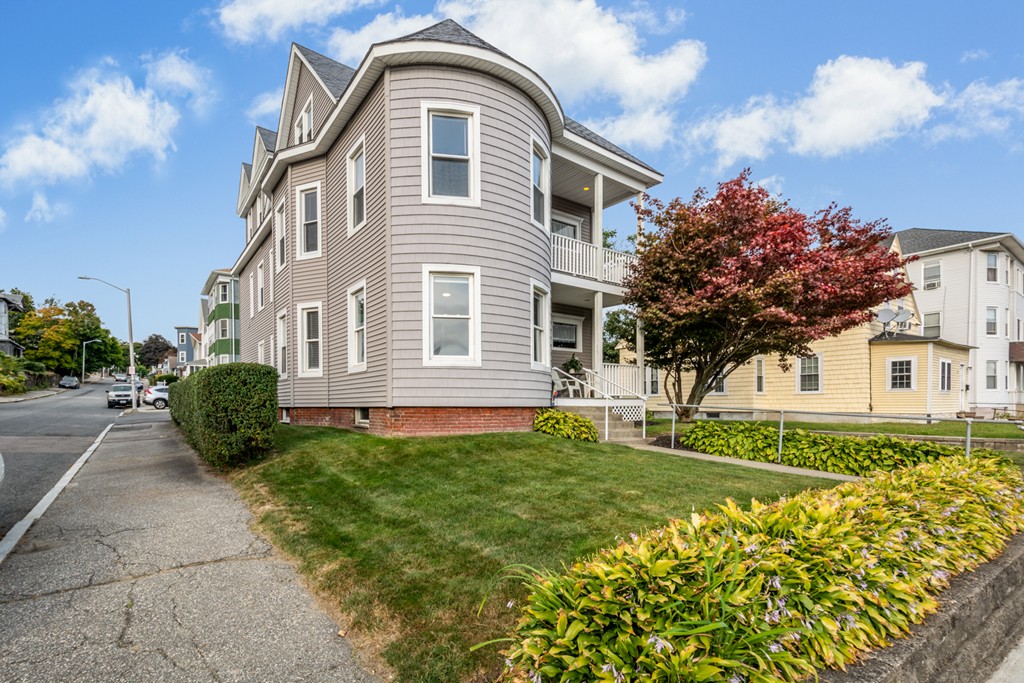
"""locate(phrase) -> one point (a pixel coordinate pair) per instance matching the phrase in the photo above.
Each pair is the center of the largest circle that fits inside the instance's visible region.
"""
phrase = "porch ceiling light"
(586, 188)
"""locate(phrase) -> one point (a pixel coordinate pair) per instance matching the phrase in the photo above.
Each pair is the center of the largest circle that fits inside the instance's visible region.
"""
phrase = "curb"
(22, 399)
(977, 625)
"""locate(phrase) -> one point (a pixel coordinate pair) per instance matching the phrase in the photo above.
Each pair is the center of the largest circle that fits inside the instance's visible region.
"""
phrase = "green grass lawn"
(407, 536)
(979, 429)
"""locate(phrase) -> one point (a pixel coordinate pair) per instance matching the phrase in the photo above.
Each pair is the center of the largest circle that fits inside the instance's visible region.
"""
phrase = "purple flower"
(659, 644)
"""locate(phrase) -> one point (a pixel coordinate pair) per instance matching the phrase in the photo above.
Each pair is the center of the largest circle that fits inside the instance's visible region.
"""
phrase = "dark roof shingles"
(335, 75)
(917, 240)
(269, 138)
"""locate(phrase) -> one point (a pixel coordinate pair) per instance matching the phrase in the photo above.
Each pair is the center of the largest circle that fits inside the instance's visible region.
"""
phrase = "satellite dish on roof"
(885, 315)
(902, 316)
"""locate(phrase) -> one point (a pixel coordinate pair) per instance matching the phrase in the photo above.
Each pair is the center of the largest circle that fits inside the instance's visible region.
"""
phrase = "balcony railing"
(627, 376)
(583, 259)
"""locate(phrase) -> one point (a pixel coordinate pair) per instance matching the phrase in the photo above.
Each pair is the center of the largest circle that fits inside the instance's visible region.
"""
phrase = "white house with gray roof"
(970, 290)
(424, 239)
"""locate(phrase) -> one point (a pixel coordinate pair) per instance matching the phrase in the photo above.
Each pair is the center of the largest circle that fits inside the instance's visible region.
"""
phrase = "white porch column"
(639, 219)
(597, 341)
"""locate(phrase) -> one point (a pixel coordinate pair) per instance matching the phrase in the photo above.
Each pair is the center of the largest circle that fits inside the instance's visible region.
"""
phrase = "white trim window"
(931, 272)
(991, 374)
(718, 386)
(357, 186)
(932, 326)
(222, 292)
(260, 289)
(181, 357)
(304, 124)
(945, 375)
(567, 332)
(451, 315)
(223, 332)
(282, 343)
(540, 314)
(361, 417)
(808, 376)
(311, 347)
(539, 184)
(901, 374)
(450, 167)
(181, 338)
(357, 328)
(567, 226)
(280, 238)
(308, 209)
(252, 294)
(261, 352)
(992, 267)
(759, 375)
(991, 321)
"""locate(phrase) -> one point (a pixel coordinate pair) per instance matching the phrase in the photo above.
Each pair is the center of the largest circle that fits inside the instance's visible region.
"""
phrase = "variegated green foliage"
(824, 452)
(772, 594)
(564, 424)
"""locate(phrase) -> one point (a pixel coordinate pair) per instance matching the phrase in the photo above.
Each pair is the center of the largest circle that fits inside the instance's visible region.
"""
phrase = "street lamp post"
(131, 340)
(91, 341)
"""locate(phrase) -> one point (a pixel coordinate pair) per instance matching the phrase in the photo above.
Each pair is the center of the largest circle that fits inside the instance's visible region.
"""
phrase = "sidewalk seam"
(8, 542)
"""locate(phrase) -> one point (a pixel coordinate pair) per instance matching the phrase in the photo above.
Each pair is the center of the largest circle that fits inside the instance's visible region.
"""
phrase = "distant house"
(424, 239)
(8, 303)
(184, 353)
(220, 330)
(970, 290)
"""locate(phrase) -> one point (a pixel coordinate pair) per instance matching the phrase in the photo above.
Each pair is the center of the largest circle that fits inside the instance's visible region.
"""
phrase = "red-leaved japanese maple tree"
(727, 277)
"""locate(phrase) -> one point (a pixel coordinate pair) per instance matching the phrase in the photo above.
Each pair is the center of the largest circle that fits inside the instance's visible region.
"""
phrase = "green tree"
(619, 326)
(49, 339)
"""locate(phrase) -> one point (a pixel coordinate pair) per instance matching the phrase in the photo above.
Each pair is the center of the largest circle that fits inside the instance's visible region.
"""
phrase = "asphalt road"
(40, 439)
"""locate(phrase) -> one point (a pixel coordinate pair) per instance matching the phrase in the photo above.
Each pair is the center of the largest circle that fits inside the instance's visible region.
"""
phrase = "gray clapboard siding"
(283, 286)
(498, 237)
(309, 284)
(363, 256)
(259, 327)
(563, 205)
(322, 103)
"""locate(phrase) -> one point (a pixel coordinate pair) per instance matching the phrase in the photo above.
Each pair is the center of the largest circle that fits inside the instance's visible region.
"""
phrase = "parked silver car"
(120, 395)
(158, 396)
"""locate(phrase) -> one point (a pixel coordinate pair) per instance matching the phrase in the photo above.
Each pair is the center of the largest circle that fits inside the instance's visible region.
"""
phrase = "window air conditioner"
(934, 284)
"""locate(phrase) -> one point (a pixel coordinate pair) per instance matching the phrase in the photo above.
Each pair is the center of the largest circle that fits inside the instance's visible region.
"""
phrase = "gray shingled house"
(423, 241)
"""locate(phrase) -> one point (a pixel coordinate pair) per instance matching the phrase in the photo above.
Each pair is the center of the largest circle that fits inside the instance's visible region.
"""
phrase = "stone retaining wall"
(978, 623)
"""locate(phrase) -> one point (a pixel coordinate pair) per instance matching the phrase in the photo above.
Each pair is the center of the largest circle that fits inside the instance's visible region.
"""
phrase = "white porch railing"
(627, 376)
(630, 407)
(583, 259)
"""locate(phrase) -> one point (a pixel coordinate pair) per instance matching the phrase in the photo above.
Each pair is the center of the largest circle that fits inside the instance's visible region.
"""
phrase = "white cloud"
(973, 56)
(42, 212)
(104, 123)
(851, 104)
(174, 73)
(772, 183)
(856, 102)
(247, 21)
(3, 219)
(983, 109)
(602, 62)
(265, 107)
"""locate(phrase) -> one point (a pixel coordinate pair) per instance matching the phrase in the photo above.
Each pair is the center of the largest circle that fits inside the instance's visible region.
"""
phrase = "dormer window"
(304, 124)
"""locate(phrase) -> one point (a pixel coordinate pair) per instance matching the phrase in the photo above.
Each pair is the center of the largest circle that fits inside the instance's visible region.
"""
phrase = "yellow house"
(874, 368)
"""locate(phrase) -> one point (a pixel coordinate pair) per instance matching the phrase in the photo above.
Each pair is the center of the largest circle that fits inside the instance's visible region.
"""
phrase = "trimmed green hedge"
(824, 452)
(564, 424)
(227, 413)
(772, 594)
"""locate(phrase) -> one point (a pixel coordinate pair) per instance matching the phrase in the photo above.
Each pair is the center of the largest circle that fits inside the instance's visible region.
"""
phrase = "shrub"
(566, 425)
(228, 412)
(772, 594)
(824, 452)
(168, 379)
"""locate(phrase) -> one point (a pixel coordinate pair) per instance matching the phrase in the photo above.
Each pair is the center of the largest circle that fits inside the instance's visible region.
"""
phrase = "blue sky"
(123, 124)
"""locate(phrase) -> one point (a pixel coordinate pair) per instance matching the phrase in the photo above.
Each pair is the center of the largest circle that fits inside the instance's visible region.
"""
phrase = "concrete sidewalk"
(144, 569)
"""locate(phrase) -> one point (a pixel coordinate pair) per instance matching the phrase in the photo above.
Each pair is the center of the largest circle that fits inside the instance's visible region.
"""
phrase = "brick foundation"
(421, 421)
